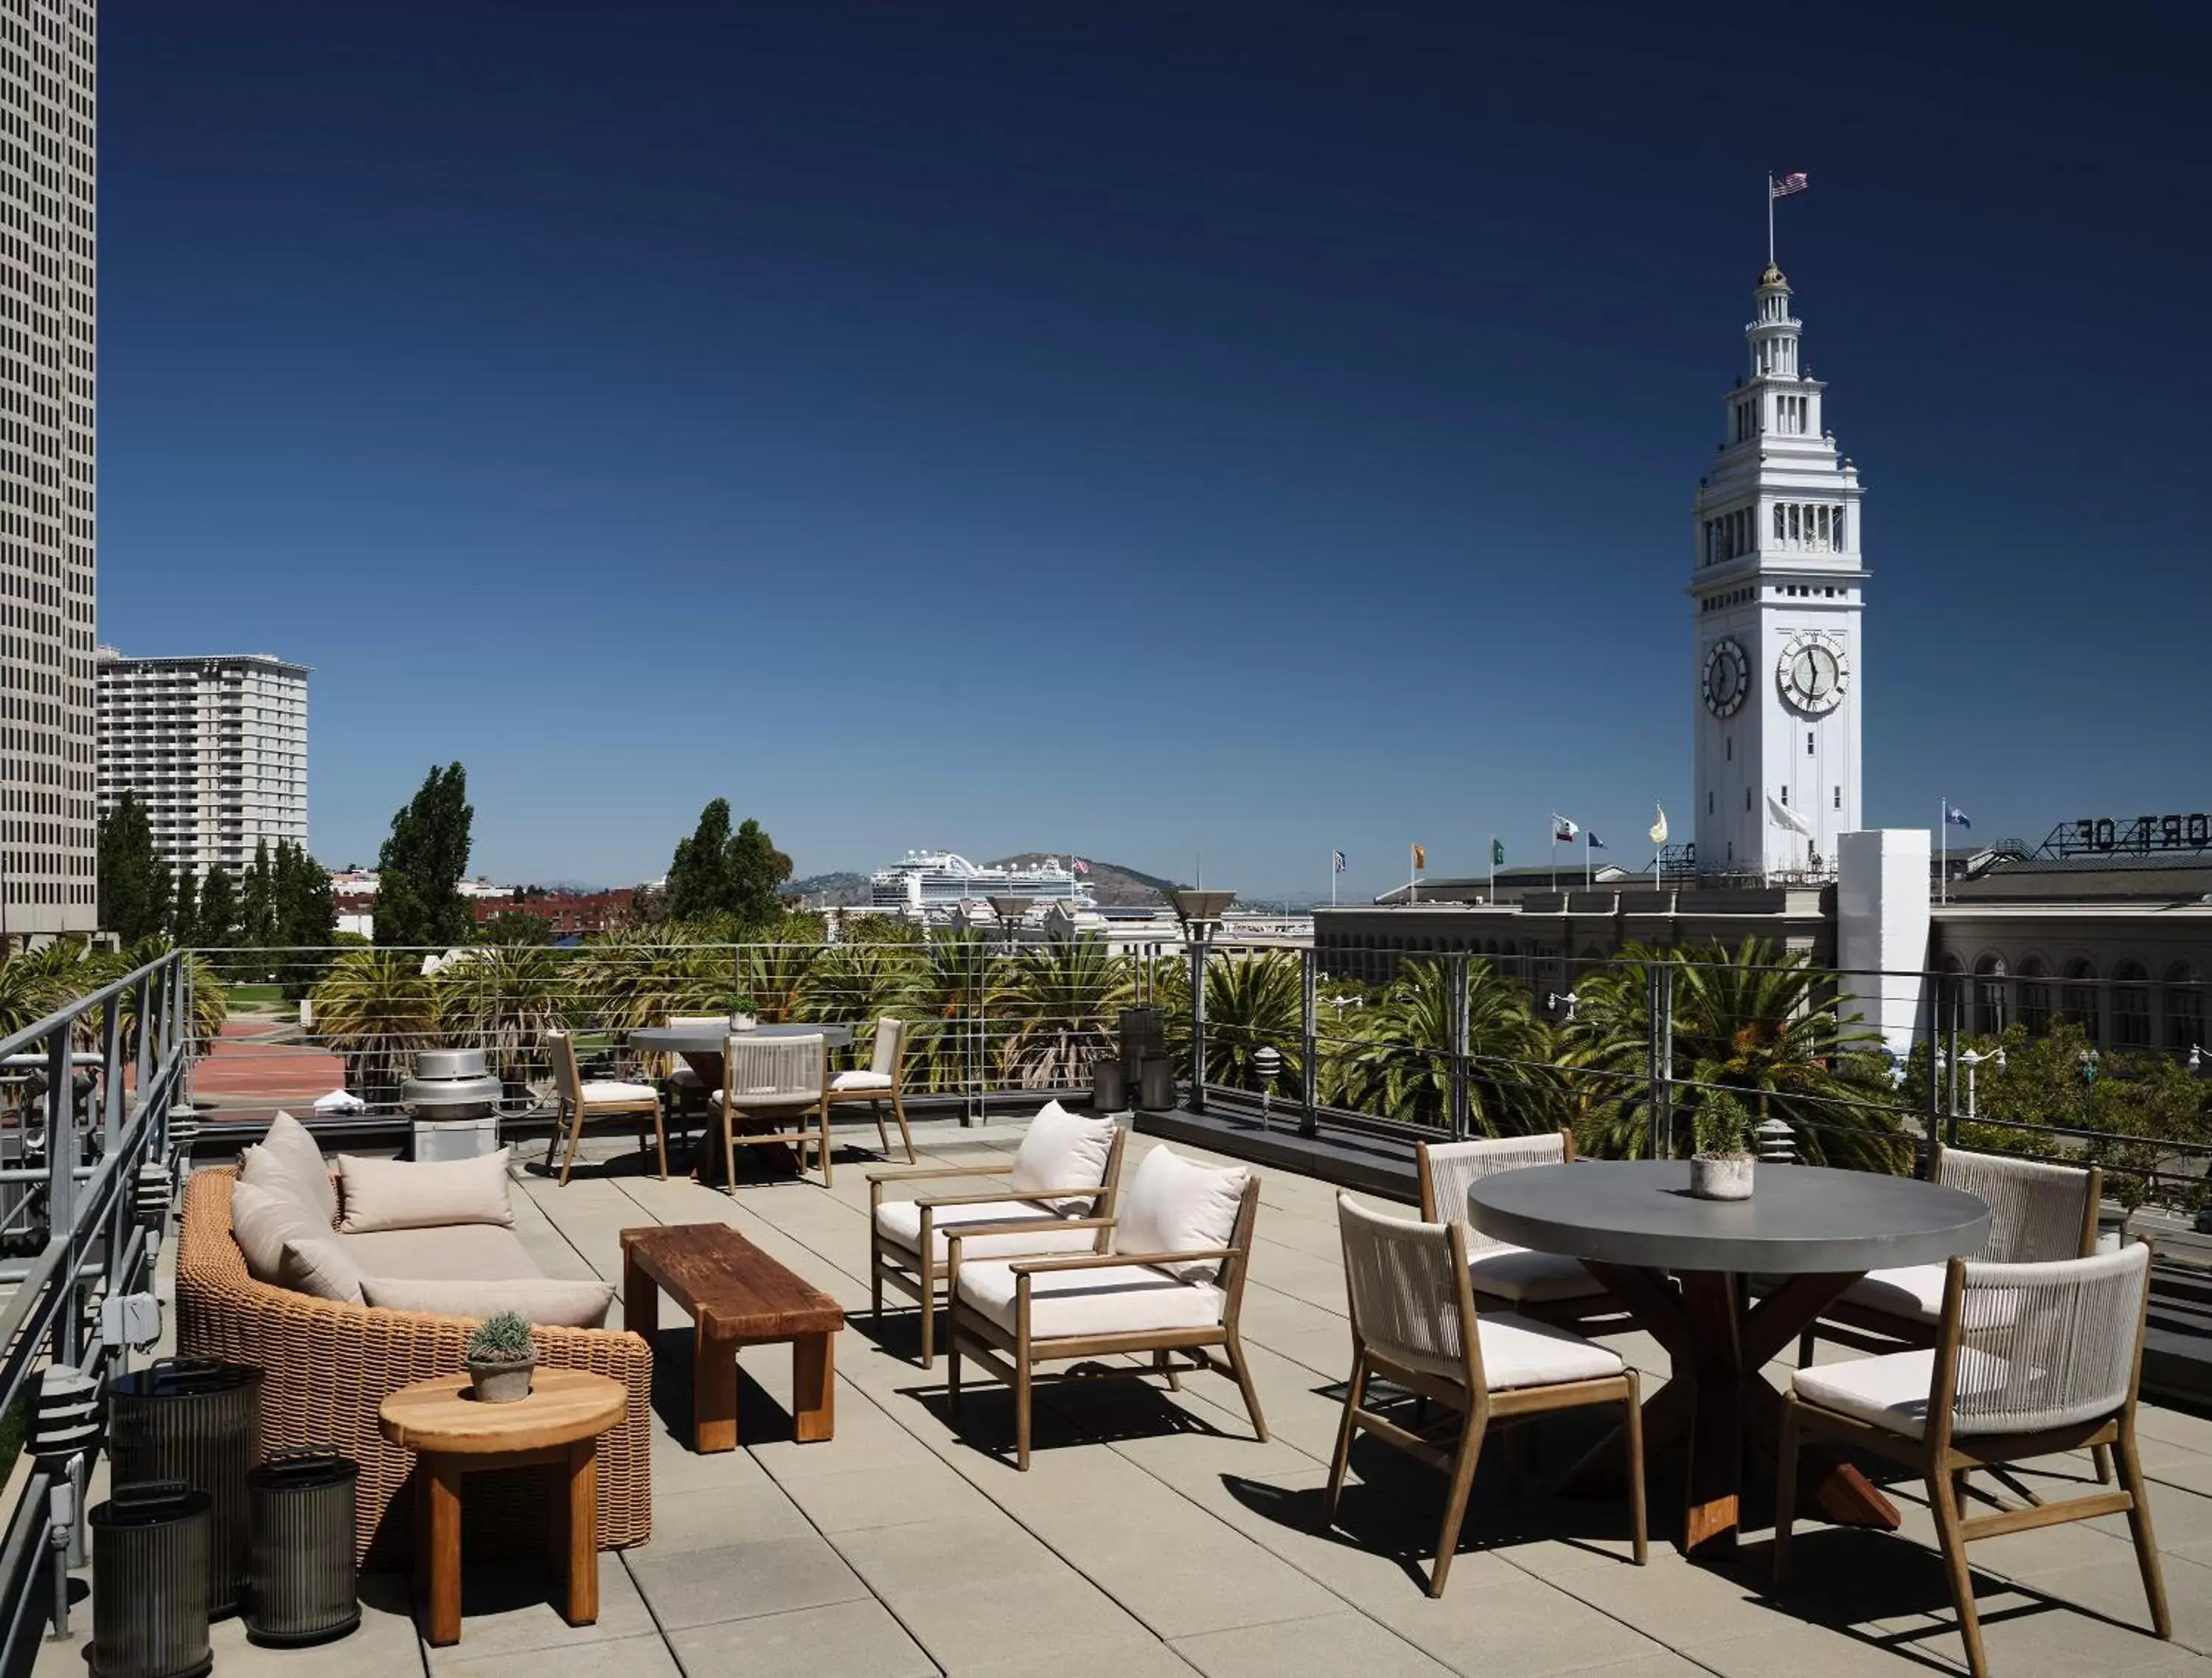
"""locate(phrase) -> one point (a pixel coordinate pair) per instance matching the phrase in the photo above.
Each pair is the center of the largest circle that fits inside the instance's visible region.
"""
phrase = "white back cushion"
(288, 1161)
(1175, 1206)
(262, 1220)
(1061, 1150)
(395, 1194)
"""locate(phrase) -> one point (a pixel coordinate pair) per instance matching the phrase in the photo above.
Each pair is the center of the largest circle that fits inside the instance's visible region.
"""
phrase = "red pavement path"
(244, 1062)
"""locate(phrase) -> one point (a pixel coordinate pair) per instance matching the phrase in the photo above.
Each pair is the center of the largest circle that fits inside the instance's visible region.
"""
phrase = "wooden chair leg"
(952, 1372)
(2100, 1457)
(575, 1135)
(729, 1155)
(553, 1141)
(1631, 1424)
(906, 1136)
(825, 1141)
(929, 1317)
(1785, 1487)
(660, 1142)
(1806, 1342)
(1951, 1537)
(1022, 1409)
(1355, 1393)
(2139, 1529)
(1462, 1484)
(1164, 1363)
(1243, 1371)
(875, 1277)
(883, 1132)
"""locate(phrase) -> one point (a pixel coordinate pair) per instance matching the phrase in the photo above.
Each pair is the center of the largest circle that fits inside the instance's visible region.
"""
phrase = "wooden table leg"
(1709, 1521)
(813, 1387)
(580, 1497)
(714, 1393)
(641, 1299)
(441, 1490)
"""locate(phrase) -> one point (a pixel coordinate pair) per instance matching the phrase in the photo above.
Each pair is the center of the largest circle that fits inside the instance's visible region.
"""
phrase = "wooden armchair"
(1551, 1287)
(774, 1077)
(579, 1103)
(882, 1079)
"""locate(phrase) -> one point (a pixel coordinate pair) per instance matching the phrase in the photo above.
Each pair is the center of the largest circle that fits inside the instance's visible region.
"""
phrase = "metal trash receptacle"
(302, 1585)
(1155, 1089)
(150, 1544)
(1143, 1033)
(198, 1421)
(1109, 1088)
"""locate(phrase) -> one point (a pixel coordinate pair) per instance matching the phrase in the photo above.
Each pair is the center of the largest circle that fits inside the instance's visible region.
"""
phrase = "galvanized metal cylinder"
(1155, 1088)
(1109, 1090)
(1143, 1033)
(302, 1586)
(149, 1583)
(197, 1421)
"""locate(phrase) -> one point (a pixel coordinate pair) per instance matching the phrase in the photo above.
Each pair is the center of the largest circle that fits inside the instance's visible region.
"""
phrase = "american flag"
(1338, 861)
(1081, 866)
(1790, 183)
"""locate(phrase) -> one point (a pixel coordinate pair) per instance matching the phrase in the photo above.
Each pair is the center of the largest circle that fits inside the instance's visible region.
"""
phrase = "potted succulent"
(499, 1358)
(1721, 1169)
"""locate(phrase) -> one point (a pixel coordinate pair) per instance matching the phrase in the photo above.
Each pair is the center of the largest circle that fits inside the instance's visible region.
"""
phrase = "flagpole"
(1555, 852)
(1332, 879)
(1491, 897)
(1586, 859)
(1770, 219)
(1944, 838)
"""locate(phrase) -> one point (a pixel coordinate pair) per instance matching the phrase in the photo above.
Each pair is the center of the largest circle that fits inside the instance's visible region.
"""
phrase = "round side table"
(452, 1434)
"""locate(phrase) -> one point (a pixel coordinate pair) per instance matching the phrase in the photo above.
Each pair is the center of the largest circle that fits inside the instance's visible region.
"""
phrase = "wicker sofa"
(326, 1366)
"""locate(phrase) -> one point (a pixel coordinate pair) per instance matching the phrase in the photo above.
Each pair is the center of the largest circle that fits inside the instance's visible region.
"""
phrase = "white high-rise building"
(1778, 589)
(214, 748)
(47, 488)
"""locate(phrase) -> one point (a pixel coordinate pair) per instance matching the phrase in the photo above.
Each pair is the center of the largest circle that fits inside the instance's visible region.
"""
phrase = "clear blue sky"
(1269, 426)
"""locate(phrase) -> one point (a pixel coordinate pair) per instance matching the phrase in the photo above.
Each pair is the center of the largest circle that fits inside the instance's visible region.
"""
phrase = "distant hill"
(1112, 885)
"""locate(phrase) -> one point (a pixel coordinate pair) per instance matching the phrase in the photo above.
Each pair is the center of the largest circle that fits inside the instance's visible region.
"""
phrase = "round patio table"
(700, 1046)
(1679, 1265)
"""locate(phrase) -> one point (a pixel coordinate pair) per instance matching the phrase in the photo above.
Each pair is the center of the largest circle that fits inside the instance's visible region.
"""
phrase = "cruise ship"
(927, 883)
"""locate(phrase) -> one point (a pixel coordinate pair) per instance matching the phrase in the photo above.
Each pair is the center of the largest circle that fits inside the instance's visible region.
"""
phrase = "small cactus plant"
(1724, 1127)
(504, 1339)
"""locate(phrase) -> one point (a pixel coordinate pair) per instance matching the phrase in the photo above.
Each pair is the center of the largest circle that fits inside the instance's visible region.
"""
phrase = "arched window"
(2131, 1006)
(1992, 999)
(1950, 992)
(2035, 995)
(2077, 998)
(2184, 1008)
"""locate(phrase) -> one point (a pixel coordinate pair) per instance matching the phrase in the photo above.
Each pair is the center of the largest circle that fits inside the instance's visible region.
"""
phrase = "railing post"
(144, 1046)
(1309, 1041)
(1659, 1005)
(1932, 1122)
(1459, 1114)
(61, 1193)
(1198, 1017)
(1951, 1079)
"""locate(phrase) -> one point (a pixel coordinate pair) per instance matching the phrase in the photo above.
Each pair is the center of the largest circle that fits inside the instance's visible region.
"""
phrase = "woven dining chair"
(2028, 1360)
(882, 1079)
(1549, 1286)
(1415, 1323)
(578, 1102)
(769, 1078)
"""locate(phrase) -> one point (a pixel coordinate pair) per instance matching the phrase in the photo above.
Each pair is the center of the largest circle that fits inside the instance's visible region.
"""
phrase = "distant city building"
(214, 748)
(567, 913)
(48, 785)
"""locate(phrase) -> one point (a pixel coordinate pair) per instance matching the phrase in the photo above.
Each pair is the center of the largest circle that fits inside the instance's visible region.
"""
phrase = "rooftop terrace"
(1154, 1535)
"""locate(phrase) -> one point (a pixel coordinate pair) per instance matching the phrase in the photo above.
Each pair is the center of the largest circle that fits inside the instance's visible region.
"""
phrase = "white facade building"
(1778, 589)
(214, 748)
(47, 790)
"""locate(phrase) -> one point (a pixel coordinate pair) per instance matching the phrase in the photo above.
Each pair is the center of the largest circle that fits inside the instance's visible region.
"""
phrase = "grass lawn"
(256, 993)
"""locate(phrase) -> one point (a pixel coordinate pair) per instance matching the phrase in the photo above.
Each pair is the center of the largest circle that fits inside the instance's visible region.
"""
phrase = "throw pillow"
(262, 1220)
(544, 1300)
(288, 1160)
(1061, 1150)
(321, 1265)
(400, 1195)
(1175, 1206)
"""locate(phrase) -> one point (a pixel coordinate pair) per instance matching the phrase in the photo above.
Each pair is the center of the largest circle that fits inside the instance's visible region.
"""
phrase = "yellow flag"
(1659, 827)
(1420, 858)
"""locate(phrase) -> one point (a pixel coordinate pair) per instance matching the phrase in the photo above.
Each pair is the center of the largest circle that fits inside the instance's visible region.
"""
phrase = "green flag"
(1498, 853)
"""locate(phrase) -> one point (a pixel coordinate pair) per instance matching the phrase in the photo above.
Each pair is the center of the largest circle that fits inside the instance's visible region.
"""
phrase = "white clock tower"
(1777, 588)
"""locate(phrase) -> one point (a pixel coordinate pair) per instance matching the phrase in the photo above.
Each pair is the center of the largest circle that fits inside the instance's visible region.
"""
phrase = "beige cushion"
(862, 1080)
(1530, 1277)
(762, 1100)
(1915, 1292)
(686, 1077)
(1060, 1149)
(558, 1305)
(900, 1221)
(321, 1266)
(1174, 1205)
(1891, 1391)
(286, 1159)
(457, 1253)
(613, 1092)
(1519, 1352)
(400, 1194)
(262, 1220)
(1127, 1299)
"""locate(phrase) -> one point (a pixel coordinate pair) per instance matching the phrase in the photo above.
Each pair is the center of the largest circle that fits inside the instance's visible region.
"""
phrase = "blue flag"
(1595, 843)
(1956, 816)
(1339, 862)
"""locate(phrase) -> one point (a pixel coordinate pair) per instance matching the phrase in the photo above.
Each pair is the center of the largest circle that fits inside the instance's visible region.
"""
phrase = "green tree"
(134, 882)
(307, 914)
(376, 1007)
(1393, 1057)
(421, 866)
(257, 900)
(717, 873)
(512, 929)
(215, 921)
(183, 908)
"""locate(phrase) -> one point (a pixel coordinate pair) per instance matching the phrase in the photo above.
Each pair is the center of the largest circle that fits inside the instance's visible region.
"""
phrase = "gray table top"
(709, 1039)
(1799, 1220)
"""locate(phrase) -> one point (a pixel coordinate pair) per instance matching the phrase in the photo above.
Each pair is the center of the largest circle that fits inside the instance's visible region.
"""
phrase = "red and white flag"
(1788, 184)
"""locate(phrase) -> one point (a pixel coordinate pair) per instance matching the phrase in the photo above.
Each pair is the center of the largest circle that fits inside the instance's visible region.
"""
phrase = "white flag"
(1659, 827)
(1782, 816)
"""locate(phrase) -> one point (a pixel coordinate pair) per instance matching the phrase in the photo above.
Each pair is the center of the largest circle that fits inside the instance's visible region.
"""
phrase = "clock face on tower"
(1813, 673)
(1727, 677)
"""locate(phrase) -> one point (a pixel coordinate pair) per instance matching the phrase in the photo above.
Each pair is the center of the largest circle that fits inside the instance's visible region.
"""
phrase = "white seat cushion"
(760, 1100)
(610, 1092)
(1174, 1205)
(1127, 1299)
(1530, 1277)
(1891, 1391)
(900, 1222)
(457, 1253)
(862, 1080)
(1915, 1292)
(1520, 1351)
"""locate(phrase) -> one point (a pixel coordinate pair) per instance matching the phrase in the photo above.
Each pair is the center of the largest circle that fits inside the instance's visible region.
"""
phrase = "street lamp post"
(1970, 1059)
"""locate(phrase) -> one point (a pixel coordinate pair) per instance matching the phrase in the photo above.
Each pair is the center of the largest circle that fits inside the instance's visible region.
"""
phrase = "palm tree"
(633, 978)
(1396, 1062)
(952, 983)
(1052, 1009)
(504, 998)
(376, 1007)
(1254, 999)
(1758, 1021)
(862, 983)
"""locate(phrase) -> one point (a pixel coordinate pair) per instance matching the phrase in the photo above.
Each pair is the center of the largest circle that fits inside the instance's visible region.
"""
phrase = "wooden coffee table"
(453, 1434)
(735, 1295)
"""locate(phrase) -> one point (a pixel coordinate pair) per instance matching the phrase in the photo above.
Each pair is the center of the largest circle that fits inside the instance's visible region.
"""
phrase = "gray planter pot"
(1726, 1177)
(501, 1382)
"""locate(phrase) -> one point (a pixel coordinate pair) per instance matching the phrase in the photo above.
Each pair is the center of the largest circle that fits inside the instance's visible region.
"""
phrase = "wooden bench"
(735, 1295)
